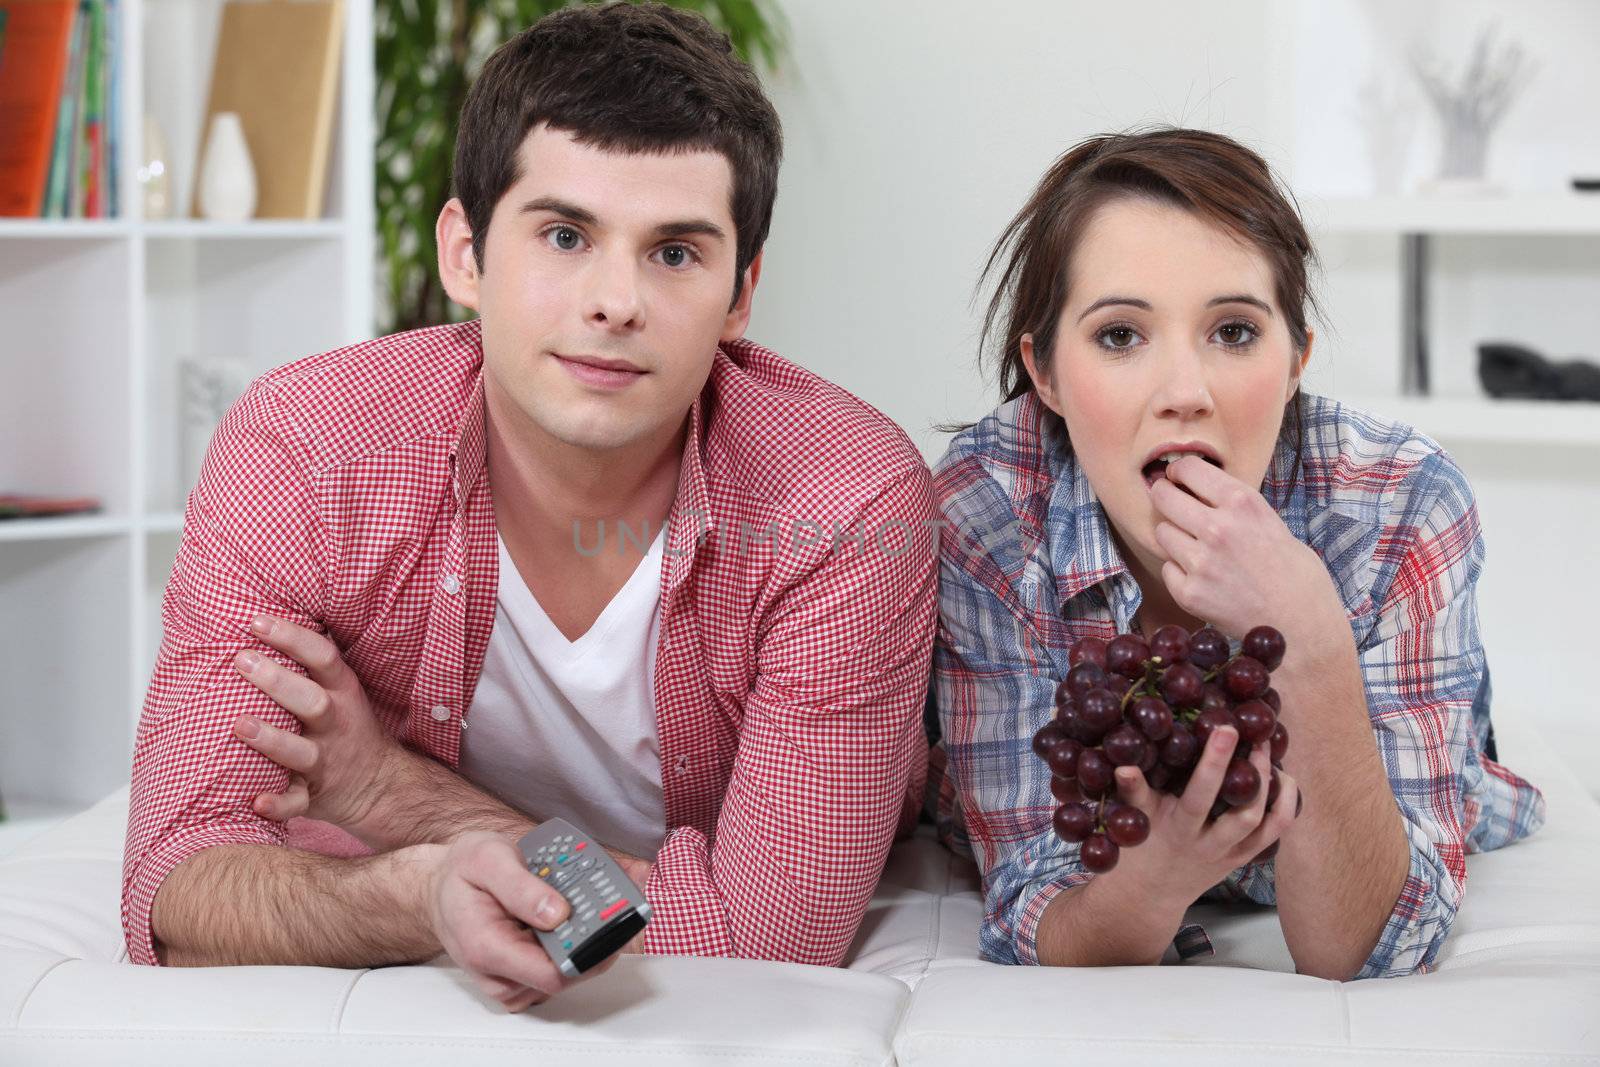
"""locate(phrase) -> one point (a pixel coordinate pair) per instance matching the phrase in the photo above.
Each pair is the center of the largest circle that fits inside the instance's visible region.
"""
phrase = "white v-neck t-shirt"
(567, 729)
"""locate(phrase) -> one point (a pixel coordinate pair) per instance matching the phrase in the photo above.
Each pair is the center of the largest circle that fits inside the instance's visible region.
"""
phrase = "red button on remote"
(612, 910)
(580, 846)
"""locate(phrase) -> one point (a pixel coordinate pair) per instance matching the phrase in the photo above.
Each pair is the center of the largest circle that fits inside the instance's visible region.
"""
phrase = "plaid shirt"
(1027, 566)
(349, 493)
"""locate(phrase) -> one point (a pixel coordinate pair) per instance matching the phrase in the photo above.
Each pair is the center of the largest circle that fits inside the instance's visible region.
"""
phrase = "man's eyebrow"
(560, 207)
(1133, 301)
(667, 230)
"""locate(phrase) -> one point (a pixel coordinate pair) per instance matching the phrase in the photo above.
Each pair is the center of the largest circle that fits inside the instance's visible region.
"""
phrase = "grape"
(1170, 643)
(1280, 742)
(1100, 710)
(1088, 650)
(1094, 772)
(1264, 644)
(1181, 748)
(1100, 853)
(1074, 822)
(1273, 701)
(1049, 736)
(1208, 648)
(1065, 790)
(1125, 655)
(1127, 826)
(1272, 789)
(1245, 678)
(1240, 783)
(1081, 679)
(1215, 696)
(1211, 720)
(1148, 756)
(1123, 746)
(1159, 776)
(1152, 716)
(1063, 759)
(1071, 720)
(1182, 683)
(1256, 721)
(1219, 808)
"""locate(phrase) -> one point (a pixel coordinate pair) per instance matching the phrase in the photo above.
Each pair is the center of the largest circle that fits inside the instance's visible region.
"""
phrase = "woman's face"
(1171, 340)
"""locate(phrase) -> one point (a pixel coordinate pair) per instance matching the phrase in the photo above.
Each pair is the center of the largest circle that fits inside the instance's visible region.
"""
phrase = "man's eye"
(675, 256)
(564, 238)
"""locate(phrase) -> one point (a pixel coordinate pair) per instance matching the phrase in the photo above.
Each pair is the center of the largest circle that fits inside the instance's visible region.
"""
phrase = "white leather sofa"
(1519, 982)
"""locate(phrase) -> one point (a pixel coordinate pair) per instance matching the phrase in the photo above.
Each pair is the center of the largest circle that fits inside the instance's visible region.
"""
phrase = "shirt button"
(440, 712)
(451, 583)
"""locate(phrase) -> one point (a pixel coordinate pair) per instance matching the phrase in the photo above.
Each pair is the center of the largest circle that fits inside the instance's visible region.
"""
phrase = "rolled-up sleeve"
(831, 752)
(253, 541)
(1424, 668)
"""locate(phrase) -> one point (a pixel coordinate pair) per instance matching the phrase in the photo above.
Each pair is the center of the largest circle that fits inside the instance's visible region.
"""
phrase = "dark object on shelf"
(1586, 185)
(1511, 371)
(13, 506)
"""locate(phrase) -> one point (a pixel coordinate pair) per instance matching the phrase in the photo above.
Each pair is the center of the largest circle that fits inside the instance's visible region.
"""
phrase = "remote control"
(607, 908)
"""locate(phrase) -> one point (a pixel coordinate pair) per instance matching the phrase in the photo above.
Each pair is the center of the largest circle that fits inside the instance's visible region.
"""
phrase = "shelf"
(1528, 213)
(263, 229)
(1468, 419)
(62, 527)
(70, 229)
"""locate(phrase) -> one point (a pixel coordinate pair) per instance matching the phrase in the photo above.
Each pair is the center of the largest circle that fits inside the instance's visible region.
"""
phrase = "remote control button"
(585, 863)
(562, 858)
(583, 931)
(581, 845)
(543, 871)
(612, 910)
(566, 945)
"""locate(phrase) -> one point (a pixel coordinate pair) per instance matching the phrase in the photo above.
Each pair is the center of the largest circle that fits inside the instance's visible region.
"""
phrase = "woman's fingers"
(1279, 818)
(302, 697)
(291, 803)
(313, 651)
(1206, 779)
(1133, 789)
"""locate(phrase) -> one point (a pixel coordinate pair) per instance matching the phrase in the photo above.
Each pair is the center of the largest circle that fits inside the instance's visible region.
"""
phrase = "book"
(23, 506)
(277, 66)
(33, 57)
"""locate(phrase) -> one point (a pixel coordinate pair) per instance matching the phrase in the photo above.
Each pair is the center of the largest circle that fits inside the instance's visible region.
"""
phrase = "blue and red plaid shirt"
(1028, 566)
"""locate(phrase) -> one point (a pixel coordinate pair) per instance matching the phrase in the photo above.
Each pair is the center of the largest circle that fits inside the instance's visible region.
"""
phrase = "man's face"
(609, 256)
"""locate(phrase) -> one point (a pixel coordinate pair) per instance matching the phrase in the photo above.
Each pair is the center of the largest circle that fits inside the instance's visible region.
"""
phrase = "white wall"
(914, 132)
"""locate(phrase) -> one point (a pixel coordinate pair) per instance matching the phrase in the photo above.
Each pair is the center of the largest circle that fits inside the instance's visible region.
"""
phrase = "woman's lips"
(599, 376)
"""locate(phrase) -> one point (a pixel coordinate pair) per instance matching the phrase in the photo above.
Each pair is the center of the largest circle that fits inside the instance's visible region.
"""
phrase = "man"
(464, 624)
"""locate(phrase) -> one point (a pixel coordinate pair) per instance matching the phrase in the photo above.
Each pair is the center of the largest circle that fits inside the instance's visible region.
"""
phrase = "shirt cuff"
(686, 915)
(1030, 909)
(139, 889)
(1415, 928)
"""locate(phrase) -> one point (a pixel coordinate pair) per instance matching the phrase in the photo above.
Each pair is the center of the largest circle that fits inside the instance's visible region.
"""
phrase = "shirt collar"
(690, 522)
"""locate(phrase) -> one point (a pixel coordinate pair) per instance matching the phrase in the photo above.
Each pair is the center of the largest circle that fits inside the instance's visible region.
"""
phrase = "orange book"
(34, 35)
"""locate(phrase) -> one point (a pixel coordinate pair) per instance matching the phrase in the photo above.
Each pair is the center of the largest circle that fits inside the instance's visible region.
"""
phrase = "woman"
(1155, 462)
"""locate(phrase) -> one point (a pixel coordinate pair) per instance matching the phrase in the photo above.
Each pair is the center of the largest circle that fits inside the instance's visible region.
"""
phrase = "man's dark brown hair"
(621, 77)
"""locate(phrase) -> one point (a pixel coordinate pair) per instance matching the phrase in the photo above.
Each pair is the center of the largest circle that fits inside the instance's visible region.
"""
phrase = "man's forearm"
(426, 802)
(1105, 924)
(1340, 868)
(262, 904)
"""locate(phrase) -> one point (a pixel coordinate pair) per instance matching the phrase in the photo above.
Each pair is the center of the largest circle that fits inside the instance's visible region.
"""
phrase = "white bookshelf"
(97, 316)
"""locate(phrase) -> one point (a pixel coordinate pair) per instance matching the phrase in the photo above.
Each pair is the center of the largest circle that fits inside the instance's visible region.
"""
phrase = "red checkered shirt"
(798, 603)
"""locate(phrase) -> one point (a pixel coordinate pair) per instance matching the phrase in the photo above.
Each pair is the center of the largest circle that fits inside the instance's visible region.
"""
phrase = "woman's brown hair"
(1211, 175)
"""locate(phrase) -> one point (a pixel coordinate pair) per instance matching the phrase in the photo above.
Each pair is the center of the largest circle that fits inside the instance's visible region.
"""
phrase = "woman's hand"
(342, 758)
(1233, 562)
(1184, 856)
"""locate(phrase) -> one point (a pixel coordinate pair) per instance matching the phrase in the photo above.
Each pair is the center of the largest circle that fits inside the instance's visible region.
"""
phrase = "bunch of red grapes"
(1153, 706)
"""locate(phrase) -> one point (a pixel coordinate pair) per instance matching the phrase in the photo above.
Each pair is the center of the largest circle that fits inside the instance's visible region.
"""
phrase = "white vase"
(153, 177)
(227, 179)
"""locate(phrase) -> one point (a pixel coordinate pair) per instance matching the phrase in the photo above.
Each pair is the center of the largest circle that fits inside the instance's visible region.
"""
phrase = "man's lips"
(605, 374)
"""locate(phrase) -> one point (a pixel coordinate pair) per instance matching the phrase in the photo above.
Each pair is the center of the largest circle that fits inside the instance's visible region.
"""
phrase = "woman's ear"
(1300, 366)
(458, 267)
(1041, 386)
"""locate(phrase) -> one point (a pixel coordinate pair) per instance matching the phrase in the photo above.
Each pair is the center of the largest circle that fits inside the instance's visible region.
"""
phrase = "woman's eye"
(1236, 334)
(1117, 337)
(677, 255)
(563, 238)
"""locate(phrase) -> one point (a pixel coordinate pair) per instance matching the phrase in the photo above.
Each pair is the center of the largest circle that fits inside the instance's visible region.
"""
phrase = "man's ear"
(458, 270)
(738, 320)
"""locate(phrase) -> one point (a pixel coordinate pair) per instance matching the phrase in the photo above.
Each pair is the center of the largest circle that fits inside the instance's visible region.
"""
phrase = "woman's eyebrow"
(1241, 298)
